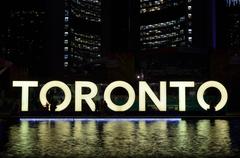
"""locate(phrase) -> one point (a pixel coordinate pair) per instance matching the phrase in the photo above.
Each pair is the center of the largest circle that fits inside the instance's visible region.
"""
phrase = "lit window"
(190, 16)
(65, 33)
(65, 41)
(65, 49)
(65, 64)
(190, 39)
(190, 31)
(65, 56)
(189, 7)
(66, 19)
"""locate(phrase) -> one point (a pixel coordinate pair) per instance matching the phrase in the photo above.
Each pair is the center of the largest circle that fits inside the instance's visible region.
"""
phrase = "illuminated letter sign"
(144, 88)
(182, 92)
(87, 97)
(111, 87)
(25, 91)
(214, 84)
(61, 85)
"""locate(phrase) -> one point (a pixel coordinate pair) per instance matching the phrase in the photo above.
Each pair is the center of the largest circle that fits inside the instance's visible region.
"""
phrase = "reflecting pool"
(124, 138)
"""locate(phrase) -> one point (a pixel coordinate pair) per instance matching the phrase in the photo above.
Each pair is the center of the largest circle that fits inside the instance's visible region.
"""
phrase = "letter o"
(61, 85)
(204, 87)
(131, 94)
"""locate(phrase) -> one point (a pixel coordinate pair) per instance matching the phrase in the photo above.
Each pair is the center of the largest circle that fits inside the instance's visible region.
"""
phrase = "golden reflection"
(120, 138)
(23, 135)
(221, 135)
(117, 136)
(78, 130)
(214, 135)
(182, 134)
(160, 131)
(85, 137)
(43, 138)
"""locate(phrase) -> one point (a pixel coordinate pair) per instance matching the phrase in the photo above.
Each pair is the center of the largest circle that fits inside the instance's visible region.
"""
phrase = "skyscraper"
(229, 23)
(26, 34)
(165, 23)
(228, 39)
(82, 35)
(174, 36)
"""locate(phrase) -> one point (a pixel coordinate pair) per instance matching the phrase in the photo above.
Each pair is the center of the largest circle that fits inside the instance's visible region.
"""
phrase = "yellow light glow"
(61, 85)
(144, 88)
(87, 97)
(214, 84)
(111, 87)
(182, 92)
(25, 91)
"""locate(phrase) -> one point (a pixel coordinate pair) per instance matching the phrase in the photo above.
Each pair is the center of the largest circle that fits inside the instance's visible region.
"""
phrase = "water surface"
(185, 138)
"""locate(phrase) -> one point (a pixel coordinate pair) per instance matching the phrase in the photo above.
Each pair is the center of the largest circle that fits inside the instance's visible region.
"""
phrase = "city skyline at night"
(128, 40)
(82, 36)
(119, 78)
(89, 36)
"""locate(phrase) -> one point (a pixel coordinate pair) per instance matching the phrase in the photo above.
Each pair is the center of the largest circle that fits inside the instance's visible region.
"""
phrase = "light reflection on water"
(192, 138)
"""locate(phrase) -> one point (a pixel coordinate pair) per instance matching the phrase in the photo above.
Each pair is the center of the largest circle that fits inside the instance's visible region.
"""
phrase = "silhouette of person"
(47, 107)
(53, 106)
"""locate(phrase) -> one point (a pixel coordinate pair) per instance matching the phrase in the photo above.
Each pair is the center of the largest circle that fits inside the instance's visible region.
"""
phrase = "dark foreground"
(122, 138)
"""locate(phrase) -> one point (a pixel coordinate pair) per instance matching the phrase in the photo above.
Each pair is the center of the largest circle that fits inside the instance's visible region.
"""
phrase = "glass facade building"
(24, 34)
(230, 3)
(82, 34)
(232, 24)
(165, 23)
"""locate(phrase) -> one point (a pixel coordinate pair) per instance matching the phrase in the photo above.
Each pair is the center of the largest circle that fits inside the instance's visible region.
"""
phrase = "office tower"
(82, 36)
(229, 23)
(174, 38)
(26, 34)
(228, 40)
(232, 3)
(3, 31)
(165, 23)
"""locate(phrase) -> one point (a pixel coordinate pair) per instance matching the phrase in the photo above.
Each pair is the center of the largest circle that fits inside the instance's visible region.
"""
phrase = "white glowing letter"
(25, 91)
(87, 97)
(214, 84)
(61, 85)
(182, 92)
(144, 88)
(131, 94)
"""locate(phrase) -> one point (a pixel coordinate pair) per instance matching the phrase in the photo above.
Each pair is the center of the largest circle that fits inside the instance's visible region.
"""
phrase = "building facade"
(82, 35)
(25, 35)
(165, 23)
(229, 24)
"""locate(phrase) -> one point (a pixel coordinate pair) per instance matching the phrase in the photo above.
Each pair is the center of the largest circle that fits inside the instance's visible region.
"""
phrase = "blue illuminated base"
(147, 114)
(101, 119)
(134, 116)
(158, 116)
